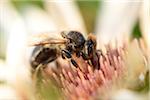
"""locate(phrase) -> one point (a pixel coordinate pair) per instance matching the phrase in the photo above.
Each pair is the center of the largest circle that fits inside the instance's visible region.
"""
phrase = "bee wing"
(45, 38)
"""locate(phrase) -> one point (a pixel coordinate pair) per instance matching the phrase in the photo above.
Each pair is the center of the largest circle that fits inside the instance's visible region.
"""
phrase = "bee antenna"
(63, 34)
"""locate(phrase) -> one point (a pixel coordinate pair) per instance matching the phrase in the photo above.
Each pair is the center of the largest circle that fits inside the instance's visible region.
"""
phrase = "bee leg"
(84, 56)
(91, 46)
(66, 53)
(93, 56)
(98, 54)
(90, 50)
(74, 63)
(94, 59)
(63, 56)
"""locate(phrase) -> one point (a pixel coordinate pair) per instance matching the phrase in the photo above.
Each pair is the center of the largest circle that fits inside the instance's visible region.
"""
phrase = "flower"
(84, 82)
(123, 70)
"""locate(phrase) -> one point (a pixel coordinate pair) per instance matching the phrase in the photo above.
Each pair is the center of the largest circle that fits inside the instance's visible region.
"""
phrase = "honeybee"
(72, 42)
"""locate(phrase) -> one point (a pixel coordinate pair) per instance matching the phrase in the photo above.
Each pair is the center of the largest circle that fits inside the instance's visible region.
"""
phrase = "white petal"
(116, 20)
(66, 14)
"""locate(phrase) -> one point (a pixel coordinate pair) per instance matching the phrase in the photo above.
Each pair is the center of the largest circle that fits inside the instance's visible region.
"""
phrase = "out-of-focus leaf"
(136, 31)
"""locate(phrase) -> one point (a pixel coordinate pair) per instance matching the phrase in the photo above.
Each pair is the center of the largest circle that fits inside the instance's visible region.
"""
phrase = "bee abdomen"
(43, 55)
